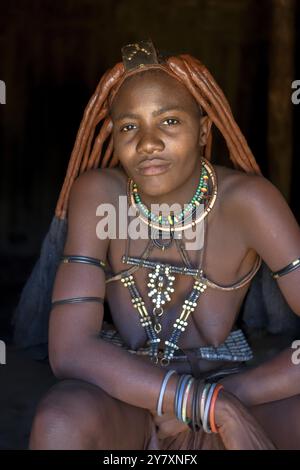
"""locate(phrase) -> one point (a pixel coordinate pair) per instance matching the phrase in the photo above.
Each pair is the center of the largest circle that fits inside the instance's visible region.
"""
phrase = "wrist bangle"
(203, 400)
(162, 391)
(185, 399)
(214, 397)
(196, 422)
(197, 406)
(183, 386)
(210, 392)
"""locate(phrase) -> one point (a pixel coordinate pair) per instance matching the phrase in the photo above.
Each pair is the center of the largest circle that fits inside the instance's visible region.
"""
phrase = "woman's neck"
(180, 195)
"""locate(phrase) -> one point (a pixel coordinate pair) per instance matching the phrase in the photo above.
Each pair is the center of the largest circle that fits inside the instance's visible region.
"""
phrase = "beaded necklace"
(205, 198)
(161, 279)
(170, 220)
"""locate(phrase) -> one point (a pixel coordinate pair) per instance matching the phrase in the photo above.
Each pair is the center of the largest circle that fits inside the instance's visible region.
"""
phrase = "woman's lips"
(153, 167)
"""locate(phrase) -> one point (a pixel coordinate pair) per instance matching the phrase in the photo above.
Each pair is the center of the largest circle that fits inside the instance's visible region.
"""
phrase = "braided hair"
(88, 149)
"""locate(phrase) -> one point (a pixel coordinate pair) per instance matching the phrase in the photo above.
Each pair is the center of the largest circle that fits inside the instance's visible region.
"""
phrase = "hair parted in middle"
(88, 149)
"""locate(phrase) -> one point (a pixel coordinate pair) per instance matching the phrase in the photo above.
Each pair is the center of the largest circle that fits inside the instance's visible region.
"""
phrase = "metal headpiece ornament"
(138, 57)
(89, 150)
(139, 54)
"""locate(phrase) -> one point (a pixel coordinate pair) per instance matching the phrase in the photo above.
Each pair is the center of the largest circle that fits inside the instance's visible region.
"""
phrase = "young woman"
(157, 118)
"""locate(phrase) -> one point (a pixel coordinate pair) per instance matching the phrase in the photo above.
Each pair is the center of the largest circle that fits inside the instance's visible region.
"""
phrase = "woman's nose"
(149, 143)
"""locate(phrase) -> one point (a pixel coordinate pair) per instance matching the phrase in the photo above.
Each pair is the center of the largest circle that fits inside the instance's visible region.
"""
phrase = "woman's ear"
(205, 125)
(110, 123)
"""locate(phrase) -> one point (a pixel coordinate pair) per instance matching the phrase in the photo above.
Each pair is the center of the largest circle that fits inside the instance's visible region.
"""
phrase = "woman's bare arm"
(275, 379)
(271, 229)
(238, 429)
(75, 349)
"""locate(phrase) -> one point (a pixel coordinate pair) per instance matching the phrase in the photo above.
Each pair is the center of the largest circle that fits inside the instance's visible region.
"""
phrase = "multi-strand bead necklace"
(186, 213)
(161, 277)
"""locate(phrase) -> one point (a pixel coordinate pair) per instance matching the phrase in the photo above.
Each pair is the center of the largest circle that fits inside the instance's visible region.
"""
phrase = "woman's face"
(156, 132)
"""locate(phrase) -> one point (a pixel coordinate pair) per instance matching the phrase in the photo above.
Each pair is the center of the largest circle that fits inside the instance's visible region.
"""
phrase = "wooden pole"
(280, 107)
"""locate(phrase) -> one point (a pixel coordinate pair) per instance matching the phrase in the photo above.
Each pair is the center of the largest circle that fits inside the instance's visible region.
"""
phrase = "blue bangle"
(206, 426)
(181, 395)
(181, 378)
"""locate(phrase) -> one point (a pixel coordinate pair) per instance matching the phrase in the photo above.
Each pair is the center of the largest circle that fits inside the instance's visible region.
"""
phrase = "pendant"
(160, 283)
(161, 241)
(161, 286)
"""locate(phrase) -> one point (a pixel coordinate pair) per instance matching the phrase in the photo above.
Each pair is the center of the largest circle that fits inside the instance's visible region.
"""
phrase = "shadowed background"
(52, 55)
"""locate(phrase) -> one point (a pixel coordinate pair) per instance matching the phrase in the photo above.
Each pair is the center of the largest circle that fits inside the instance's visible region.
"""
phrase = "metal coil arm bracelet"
(84, 260)
(287, 269)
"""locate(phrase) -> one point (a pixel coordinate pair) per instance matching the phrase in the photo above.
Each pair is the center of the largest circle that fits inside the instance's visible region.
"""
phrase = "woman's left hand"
(238, 429)
(168, 425)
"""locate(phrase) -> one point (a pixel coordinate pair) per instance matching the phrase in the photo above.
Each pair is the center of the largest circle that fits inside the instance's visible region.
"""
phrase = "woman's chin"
(154, 190)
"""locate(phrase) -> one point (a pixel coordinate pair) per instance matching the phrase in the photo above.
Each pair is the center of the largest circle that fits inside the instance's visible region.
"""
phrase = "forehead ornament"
(139, 55)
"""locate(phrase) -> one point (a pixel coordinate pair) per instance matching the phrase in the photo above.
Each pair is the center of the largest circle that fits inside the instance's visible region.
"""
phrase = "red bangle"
(212, 423)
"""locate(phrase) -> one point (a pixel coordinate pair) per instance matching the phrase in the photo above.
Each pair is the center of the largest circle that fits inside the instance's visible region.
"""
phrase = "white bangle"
(203, 400)
(162, 391)
(185, 399)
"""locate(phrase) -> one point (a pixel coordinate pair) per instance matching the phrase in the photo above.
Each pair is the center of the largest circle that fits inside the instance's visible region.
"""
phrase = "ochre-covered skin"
(110, 397)
(189, 71)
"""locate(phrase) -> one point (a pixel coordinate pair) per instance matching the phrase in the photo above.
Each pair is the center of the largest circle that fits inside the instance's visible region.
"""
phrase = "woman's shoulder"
(256, 205)
(238, 189)
(230, 180)
(101, 183)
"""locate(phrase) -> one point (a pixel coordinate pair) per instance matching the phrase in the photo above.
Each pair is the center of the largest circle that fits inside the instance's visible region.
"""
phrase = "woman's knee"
(280, 419)
(67, 417)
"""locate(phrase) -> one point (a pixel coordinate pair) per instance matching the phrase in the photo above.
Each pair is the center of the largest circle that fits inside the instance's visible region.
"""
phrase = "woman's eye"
(127, 128)
(171, 121)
